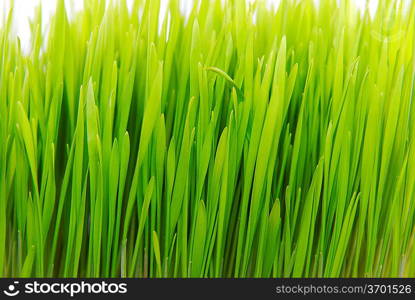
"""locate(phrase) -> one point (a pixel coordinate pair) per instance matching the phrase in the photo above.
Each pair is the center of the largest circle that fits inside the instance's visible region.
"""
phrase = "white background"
(24, 9)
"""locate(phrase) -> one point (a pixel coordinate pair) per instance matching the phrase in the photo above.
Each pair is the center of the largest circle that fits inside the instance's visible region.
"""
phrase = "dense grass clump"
(238, 141)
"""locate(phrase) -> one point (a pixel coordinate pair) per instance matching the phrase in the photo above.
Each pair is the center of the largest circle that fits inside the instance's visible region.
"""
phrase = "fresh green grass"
(239, 141)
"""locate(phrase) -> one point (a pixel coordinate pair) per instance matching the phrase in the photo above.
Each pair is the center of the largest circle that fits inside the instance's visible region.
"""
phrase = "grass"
(238, 141)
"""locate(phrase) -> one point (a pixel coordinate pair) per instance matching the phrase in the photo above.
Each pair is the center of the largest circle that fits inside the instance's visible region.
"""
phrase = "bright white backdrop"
(24, 9)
